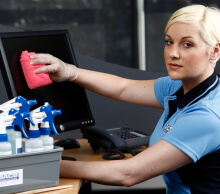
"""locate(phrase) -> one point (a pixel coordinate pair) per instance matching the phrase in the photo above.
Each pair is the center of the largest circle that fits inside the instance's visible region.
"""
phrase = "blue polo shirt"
(191, 122)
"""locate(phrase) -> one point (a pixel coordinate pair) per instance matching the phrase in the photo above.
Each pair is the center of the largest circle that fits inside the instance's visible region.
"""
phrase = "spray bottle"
(47, 125)
(5, 146)
(45, 117)
(14, 137)
(23, 106)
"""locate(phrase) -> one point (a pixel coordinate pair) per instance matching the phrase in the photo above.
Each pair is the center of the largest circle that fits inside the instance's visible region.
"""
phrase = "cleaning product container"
(28, 171)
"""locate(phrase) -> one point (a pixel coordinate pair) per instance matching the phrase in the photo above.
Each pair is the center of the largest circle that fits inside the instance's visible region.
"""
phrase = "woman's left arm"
(161, 158)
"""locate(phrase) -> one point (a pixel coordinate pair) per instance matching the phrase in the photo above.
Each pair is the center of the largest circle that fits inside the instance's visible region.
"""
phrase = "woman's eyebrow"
(185, 37)
(167, 35)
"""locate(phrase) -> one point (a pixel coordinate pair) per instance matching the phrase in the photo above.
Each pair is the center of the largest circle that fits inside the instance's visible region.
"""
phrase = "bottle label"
(12, 177)
(18, 145)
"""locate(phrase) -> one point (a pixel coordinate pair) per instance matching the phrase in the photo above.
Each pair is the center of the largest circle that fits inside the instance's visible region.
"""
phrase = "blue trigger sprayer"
(19, 103)
(19, 107)
(47, 125)
(44, 116)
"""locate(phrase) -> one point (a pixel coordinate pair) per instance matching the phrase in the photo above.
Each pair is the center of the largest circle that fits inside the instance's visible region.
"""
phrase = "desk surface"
(84, 153)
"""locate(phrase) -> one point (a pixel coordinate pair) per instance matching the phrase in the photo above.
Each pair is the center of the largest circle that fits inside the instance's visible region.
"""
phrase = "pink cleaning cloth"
(34, 80)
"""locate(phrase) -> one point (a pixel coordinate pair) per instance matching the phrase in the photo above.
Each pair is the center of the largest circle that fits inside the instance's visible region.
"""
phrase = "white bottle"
(47, 142)
(34, 143)
(45, 136)
(5, 146)
(15, 138)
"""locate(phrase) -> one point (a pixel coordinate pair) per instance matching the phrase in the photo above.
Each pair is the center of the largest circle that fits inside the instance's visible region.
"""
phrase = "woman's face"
(187, 55)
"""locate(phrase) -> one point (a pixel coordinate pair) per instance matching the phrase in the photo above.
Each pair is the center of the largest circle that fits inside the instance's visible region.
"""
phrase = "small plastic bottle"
(48, 141)
(34, 143)
(15, 138)
(5, 146)
(15, 118)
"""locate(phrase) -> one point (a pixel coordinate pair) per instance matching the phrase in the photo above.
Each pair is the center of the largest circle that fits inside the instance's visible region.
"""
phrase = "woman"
(185, 145)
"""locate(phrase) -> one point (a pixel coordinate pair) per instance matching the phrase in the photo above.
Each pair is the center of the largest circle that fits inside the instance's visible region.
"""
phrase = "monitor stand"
(68, 143)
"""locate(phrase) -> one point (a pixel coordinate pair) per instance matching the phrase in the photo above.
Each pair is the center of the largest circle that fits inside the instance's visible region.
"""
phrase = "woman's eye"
(187, 45)
(168, 42)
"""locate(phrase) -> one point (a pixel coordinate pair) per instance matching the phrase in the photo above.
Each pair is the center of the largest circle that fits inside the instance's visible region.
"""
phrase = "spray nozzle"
(50, 115)
(19, 103)
(5, 107)
(13, 118)
(45, 116)
(18, 120)
(26, 105)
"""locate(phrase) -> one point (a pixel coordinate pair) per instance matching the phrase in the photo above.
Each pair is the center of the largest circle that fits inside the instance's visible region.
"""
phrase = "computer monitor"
(69, 97)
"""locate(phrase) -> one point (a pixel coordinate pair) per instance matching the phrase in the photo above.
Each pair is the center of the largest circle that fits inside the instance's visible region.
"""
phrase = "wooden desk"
(84, 153)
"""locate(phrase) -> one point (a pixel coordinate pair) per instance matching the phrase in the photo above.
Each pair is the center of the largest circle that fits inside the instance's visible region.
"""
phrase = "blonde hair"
(207, 19)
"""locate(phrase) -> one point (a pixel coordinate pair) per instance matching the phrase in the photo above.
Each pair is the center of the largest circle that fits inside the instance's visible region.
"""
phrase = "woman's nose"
(174, 53)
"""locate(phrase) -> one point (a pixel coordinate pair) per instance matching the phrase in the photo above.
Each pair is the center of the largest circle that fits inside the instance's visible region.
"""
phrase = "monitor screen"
(69, 97)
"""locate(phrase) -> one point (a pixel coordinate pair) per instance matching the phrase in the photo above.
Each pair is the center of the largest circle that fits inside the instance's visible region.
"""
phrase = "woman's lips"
(174, 66)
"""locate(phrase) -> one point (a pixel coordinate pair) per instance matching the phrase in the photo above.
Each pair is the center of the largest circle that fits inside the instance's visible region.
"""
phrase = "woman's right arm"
(139, 92)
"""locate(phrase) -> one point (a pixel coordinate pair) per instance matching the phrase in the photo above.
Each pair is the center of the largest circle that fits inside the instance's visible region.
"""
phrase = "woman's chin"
(174, 76)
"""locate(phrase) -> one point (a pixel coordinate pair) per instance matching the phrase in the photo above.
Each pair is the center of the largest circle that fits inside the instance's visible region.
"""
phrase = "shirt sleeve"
(195, 133)
(164, 86)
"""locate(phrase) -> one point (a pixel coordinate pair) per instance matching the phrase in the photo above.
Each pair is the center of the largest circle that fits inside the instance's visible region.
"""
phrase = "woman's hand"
(58, 70)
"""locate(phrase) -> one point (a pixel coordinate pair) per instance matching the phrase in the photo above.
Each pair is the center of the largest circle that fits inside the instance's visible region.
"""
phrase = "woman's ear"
(216, 52)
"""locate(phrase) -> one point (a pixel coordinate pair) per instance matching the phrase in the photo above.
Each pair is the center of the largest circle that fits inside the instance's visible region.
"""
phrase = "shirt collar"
(200, 91)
